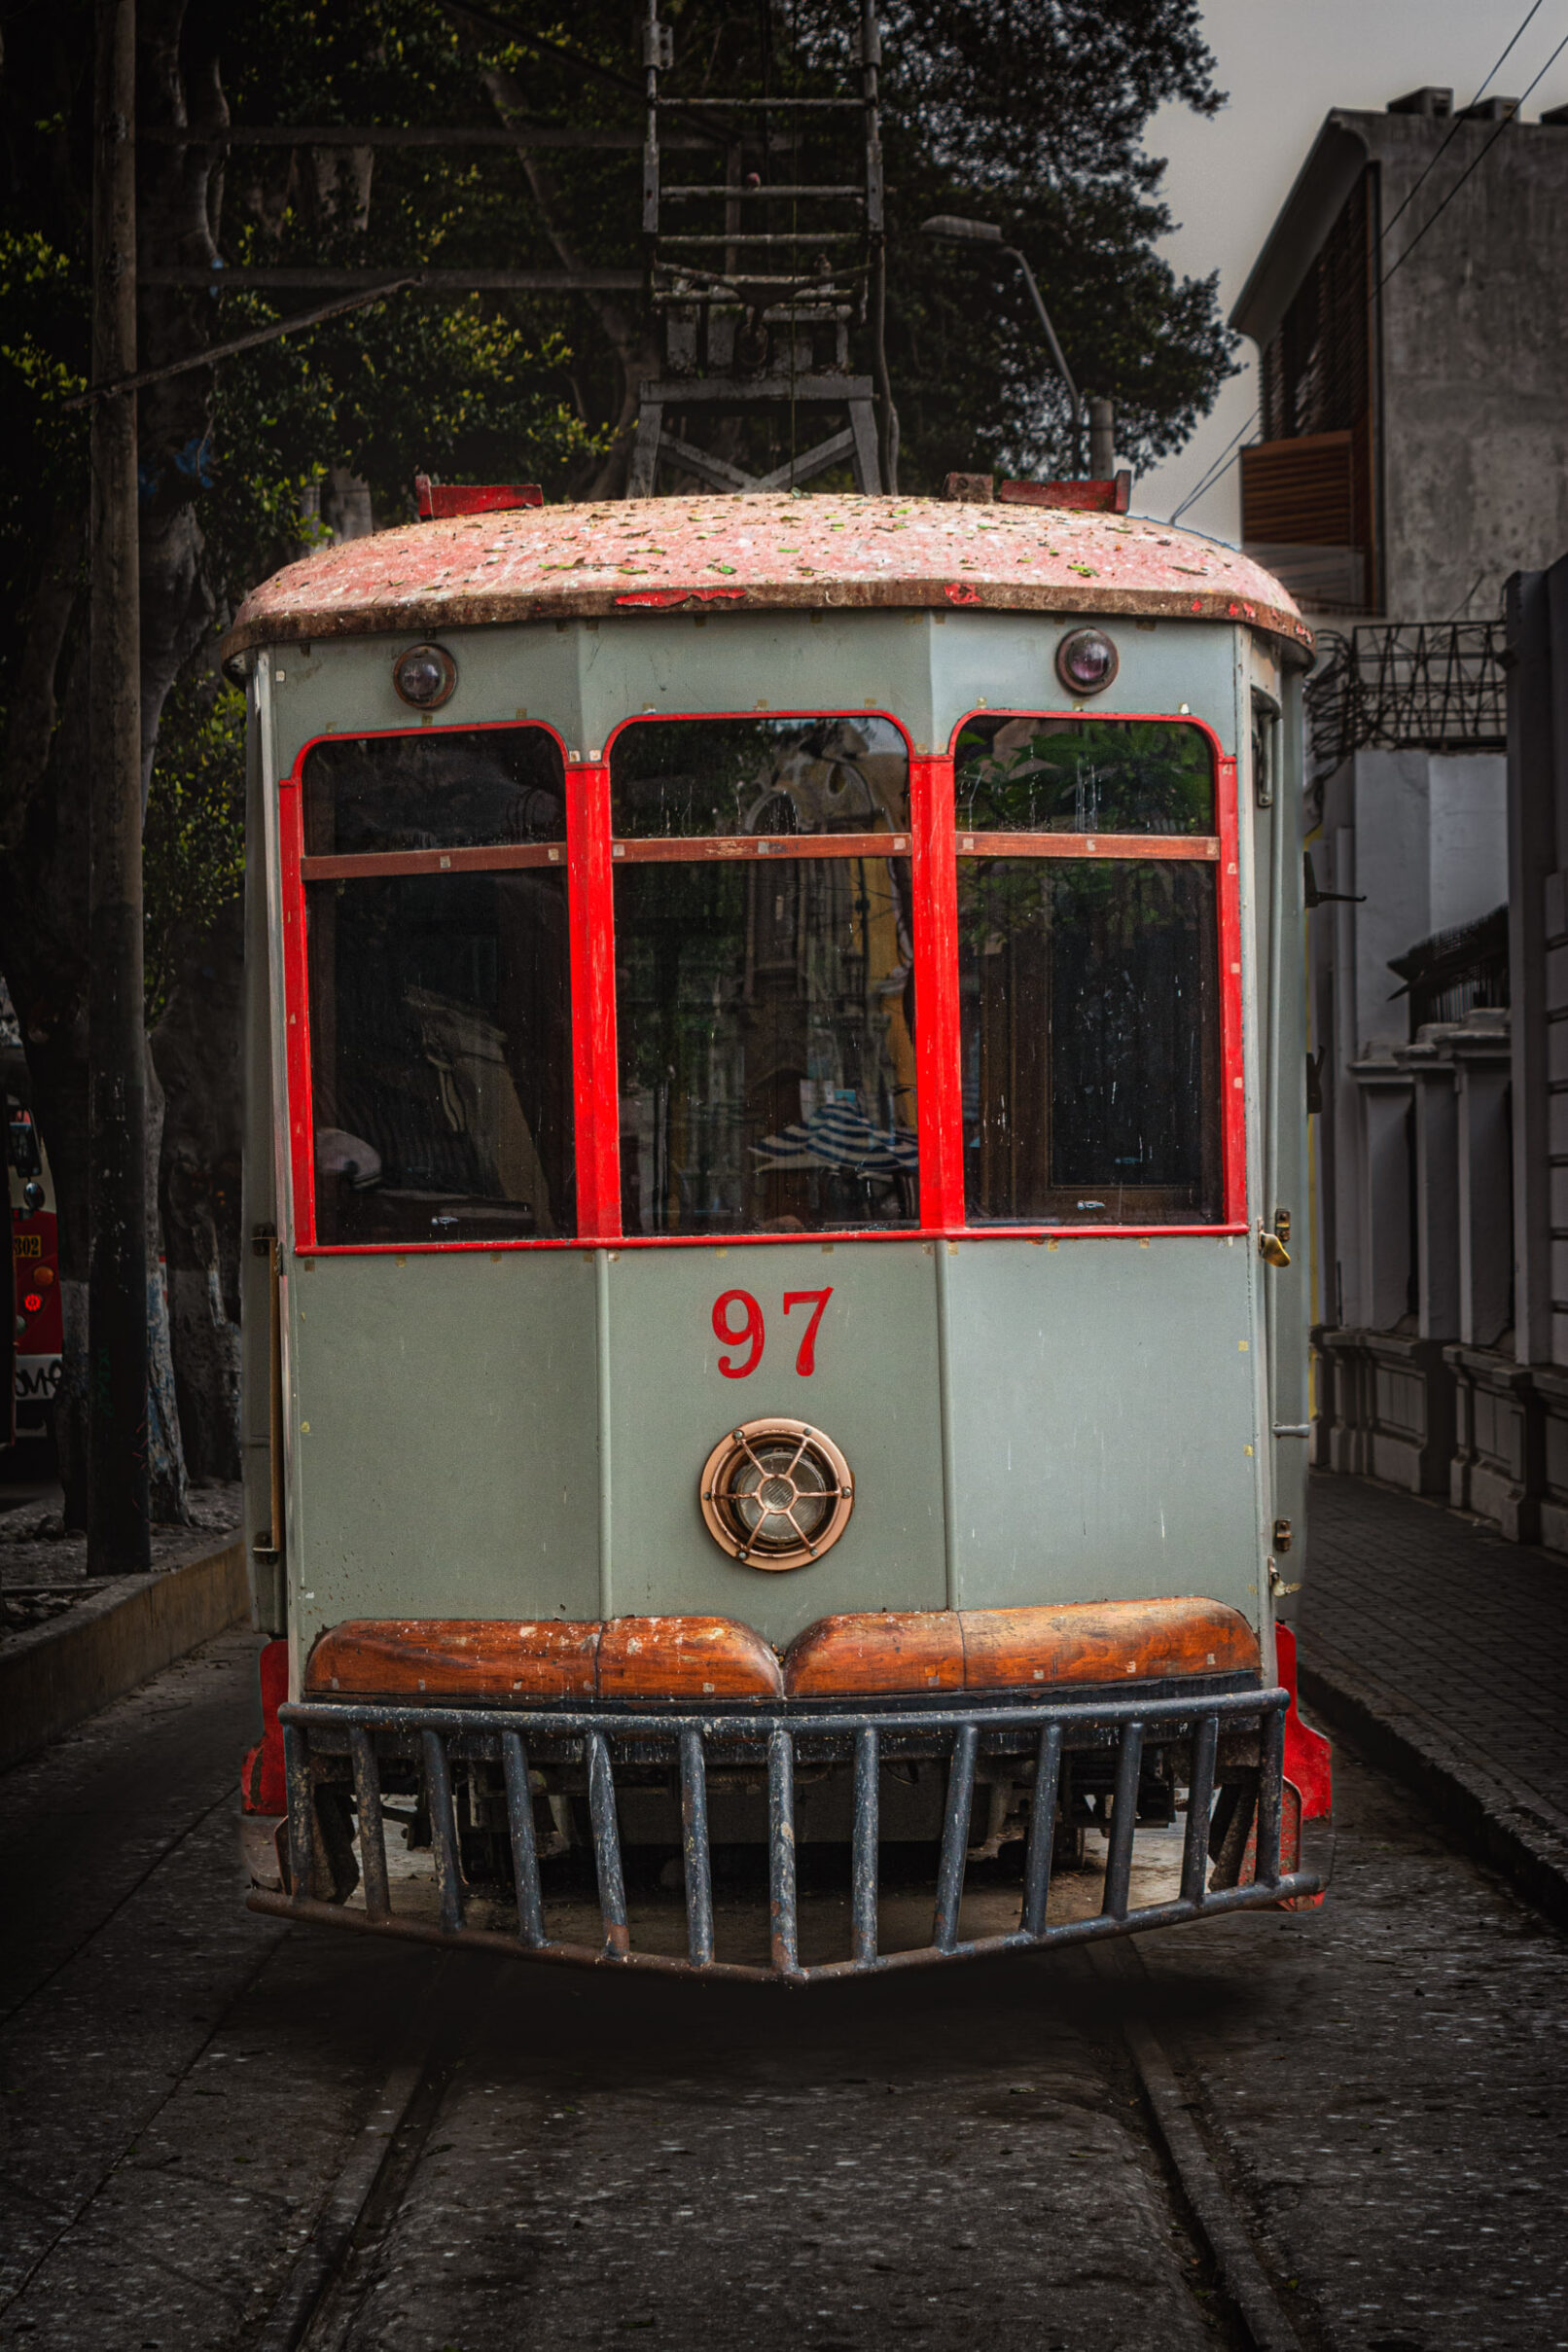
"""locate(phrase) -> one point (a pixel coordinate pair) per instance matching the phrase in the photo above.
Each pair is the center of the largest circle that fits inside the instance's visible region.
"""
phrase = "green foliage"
(193, 841)
(1083, 775)
(1027, 111)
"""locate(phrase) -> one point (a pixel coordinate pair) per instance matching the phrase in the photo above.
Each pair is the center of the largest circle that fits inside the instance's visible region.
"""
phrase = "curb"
(1497, 1817)
(58, 1674)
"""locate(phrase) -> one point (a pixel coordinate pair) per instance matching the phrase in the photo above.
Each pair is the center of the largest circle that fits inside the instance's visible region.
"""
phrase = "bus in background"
(37, 1324)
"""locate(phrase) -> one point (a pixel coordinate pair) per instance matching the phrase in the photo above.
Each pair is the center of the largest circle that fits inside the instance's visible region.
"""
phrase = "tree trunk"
(193, 1390)
(169, 1487)
(44, 765)
(194, 1048)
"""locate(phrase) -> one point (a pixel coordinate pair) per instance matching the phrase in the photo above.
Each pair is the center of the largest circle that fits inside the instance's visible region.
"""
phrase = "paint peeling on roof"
(764, 554)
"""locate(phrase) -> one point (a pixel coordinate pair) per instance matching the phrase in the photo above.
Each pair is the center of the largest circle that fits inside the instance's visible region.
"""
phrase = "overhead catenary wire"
(1221, 465)
(1474, 165)
(1230, 455)
(1453, 128)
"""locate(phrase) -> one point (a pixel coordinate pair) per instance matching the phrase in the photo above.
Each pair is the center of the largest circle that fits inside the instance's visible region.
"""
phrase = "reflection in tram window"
(1082, 775)
(684, 777)
(441, 1052)
(1089, 1003)
(459, 788)
(767, 1046)
(765, 1008)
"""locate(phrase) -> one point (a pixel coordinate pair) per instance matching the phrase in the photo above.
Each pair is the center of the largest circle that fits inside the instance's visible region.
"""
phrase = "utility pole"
(118, 1506)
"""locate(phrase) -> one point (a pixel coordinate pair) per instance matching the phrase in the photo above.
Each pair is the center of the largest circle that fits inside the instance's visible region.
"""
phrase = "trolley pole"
(117, 1501)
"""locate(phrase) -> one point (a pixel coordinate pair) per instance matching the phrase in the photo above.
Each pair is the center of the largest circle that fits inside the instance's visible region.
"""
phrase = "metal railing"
(1421, 686)
(1031, 1739)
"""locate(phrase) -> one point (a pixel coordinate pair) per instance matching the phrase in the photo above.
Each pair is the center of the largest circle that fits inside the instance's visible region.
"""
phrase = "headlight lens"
(425, 676)
(776, 1494)
(1086, 660)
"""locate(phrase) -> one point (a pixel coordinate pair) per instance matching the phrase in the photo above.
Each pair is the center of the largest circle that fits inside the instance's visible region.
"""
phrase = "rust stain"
(775, 554)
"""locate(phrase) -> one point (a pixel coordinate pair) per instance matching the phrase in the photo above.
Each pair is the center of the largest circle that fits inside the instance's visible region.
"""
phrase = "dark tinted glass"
(463, 789)
(734, 776)
(1082, 775)
(767, 1048)
(441, 1051)
(1089, 996)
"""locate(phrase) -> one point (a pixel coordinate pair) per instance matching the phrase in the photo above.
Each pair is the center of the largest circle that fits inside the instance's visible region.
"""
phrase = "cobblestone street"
(966, 2158)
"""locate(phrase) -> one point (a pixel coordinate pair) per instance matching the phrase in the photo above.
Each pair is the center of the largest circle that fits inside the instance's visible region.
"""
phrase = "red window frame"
(590, 855)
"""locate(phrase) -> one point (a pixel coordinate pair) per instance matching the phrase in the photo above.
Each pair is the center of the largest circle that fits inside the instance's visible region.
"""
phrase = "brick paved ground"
(1469, 1629)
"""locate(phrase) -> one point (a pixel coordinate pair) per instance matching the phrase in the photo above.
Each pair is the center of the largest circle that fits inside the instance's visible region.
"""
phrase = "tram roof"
(766, 553)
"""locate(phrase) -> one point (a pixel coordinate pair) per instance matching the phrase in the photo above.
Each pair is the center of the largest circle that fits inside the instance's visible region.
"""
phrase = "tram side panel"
(1289, 1288)
(865, 1369)
(259, 1405)
(446, 1411)
(1102, 1402)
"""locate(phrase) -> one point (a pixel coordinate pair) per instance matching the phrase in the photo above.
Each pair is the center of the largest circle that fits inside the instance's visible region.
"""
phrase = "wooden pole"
(118, 1510)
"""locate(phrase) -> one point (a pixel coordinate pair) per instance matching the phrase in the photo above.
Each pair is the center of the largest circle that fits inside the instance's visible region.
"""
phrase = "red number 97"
(748, 1331)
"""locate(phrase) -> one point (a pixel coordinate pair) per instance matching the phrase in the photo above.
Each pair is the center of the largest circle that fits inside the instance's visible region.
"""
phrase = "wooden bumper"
(886, 1653)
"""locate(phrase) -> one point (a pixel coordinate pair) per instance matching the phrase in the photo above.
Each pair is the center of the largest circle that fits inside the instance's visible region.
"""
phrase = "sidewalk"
(69, 1643)
(1442, 1651)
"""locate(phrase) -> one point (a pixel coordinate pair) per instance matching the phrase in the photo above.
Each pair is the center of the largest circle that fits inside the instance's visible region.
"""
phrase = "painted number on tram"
(738, 1320)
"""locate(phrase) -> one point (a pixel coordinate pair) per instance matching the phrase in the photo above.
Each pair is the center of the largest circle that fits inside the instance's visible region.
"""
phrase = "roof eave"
(1324, 180)
(422, 616)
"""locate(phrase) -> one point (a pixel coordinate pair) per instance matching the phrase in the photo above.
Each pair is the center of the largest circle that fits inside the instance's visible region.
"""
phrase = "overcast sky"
(1284, 65)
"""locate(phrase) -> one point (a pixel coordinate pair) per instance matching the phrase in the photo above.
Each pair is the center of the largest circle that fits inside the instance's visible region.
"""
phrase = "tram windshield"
(765, 999)
(759, 933)
(1082, 775)
(1088, 984)
(439, 995)
(469, 789)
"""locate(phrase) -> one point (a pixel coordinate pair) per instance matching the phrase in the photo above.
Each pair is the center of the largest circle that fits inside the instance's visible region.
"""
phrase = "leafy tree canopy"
(1031, 113)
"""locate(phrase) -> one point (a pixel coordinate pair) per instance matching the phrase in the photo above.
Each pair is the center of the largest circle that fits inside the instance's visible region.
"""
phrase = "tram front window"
(1088, 984)
(468, 788)
(1082, 775)
(764, 988)
(439, 1006)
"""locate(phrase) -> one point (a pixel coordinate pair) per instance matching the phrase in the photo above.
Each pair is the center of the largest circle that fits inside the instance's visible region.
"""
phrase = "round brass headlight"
(776, 1494)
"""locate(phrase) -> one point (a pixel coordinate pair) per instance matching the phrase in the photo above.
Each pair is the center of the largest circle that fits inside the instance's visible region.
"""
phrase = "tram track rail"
(316, 2307)
(1214, 2214)
(1248, 2126)
(325, 2258)
(319, 2304)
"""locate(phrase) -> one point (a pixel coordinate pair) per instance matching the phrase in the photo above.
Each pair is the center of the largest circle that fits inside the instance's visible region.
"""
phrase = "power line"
(1453, 127)
(1229, 454)
(1474, 165)
(1220, 465)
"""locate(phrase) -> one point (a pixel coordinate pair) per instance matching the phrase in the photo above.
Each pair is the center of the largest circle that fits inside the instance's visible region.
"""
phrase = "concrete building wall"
(1474, 454)
(1469, 419)
(1421, 838)
(1467, 864)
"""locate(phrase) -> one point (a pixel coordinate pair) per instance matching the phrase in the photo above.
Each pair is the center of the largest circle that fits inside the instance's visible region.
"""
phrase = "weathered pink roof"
(757, 553)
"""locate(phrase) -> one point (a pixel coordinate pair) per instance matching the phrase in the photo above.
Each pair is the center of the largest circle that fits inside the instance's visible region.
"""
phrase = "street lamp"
(955, 229)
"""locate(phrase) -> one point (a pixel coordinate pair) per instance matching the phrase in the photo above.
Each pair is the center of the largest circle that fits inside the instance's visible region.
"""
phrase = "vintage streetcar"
(776, 1383)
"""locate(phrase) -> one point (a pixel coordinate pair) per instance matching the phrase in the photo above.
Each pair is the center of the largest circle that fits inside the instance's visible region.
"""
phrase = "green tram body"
(1052, 1415)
